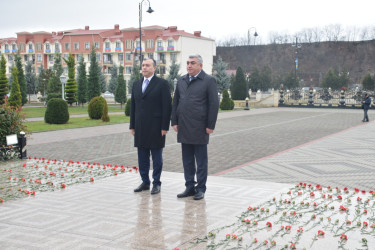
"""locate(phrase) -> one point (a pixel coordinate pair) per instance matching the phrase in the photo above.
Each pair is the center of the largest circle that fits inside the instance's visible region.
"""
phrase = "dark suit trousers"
(144, 164)
(192, 153)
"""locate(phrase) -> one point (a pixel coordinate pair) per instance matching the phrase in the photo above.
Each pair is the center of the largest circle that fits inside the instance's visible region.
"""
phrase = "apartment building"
(113, 47)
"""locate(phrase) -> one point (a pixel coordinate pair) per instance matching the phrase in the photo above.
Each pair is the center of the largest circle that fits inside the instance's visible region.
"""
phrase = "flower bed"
(22, 179)
(306, 217)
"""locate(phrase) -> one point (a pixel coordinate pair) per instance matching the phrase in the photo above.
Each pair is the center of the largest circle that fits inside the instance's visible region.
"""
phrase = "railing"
(323, 98)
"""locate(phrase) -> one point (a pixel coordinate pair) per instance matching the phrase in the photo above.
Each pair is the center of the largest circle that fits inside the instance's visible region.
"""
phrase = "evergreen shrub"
(56, 112)
(226, 103)
(53, 95)
(95, 108)
(105, 117)
(11, 122)
(127, 107)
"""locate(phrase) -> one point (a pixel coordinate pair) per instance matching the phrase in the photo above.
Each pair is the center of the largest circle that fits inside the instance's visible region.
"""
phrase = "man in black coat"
(194, 115)
(150, 113)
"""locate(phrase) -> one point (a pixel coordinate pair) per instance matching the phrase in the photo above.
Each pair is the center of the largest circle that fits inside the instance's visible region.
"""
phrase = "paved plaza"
(253, 155)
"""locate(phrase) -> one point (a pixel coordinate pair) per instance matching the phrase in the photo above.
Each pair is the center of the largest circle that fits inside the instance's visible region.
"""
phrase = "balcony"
(107, 62)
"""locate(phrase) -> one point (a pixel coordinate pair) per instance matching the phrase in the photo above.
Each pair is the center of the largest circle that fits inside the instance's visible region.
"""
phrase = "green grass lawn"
(74, 110)
(76, 122)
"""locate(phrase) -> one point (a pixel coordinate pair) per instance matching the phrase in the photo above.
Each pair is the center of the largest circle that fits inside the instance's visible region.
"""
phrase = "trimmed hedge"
(56, 112)
(226, 103)
(95, 108)
(105, 117)
(127, 107)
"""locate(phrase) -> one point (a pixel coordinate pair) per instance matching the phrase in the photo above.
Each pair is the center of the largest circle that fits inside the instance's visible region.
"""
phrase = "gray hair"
(144, 59)
(200, 60)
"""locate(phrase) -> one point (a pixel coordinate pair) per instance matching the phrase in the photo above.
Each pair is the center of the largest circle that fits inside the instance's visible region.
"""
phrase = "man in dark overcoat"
(150, 113)
(194, 114)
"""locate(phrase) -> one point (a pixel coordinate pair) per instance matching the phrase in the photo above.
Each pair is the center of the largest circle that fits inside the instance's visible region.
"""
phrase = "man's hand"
(175, 127)
(131, 131)
(164, 132)
(209, 131)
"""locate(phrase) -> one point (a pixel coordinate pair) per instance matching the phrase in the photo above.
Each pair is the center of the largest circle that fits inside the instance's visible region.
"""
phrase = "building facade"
(113, 47)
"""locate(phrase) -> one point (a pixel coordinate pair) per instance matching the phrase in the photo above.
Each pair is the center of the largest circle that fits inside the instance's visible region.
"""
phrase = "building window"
(129, 44)
(173, 57)
(87, 45)
(21, 46)
(10, 58)
(38, 46)
(31, 46)
(67, 46)
(39, 58)
(162, 58)
(89, 57)
(170, 43)
(50, 58)
(162, 70)
(66, 56)
(97, 45)
(160, 43)
(57, 47)
(121, 57)
(128, 56)
(76, 46)
(79, 57)
(107, 45)
(128, 70)
(118, 45)
(14, 47)
(150, 55)
(98, 57)
(26, 58)
(6, 47)
(107, 58)
(149, 43)
(138, 44)
(48, 47)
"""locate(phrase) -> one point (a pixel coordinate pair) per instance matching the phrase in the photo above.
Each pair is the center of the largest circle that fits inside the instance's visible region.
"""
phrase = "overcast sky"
(217, 19)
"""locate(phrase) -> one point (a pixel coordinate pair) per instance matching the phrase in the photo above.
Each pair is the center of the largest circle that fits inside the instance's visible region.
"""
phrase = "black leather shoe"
(155, 189)
(142, 187)
(186, 193)
(199, 196)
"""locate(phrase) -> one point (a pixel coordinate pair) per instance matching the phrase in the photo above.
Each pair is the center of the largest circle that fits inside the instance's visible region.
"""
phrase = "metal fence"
(324, 98)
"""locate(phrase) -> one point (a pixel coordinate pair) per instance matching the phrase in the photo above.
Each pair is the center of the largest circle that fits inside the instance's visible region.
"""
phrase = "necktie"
(191, 78)
(145, 84)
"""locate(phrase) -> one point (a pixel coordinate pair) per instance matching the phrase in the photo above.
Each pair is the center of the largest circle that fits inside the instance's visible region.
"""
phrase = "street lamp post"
(140, 30)
(248, 35)
(298, 46)
(63, 80)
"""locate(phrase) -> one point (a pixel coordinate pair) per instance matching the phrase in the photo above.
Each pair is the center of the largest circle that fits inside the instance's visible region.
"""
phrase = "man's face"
(148, 68)
(193, 66)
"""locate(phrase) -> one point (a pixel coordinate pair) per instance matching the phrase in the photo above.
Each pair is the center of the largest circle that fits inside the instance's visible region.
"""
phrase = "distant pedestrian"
(366, 105)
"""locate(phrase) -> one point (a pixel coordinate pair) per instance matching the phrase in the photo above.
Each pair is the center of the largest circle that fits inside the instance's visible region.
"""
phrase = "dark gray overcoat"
(195, 107)
(150, 113)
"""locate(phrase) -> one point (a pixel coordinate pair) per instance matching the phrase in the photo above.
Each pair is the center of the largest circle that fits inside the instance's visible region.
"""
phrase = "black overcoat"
(150, 113)
(195, 107)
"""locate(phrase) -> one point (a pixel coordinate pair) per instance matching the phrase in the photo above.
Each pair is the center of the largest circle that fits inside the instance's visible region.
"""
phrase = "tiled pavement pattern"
(252, 151)
(107, 214)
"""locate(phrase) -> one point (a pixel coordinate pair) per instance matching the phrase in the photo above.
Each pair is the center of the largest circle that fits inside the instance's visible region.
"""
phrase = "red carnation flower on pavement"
(269, 224)
(343, 237)
(320, 233)
(92, 179)
(63, 186)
